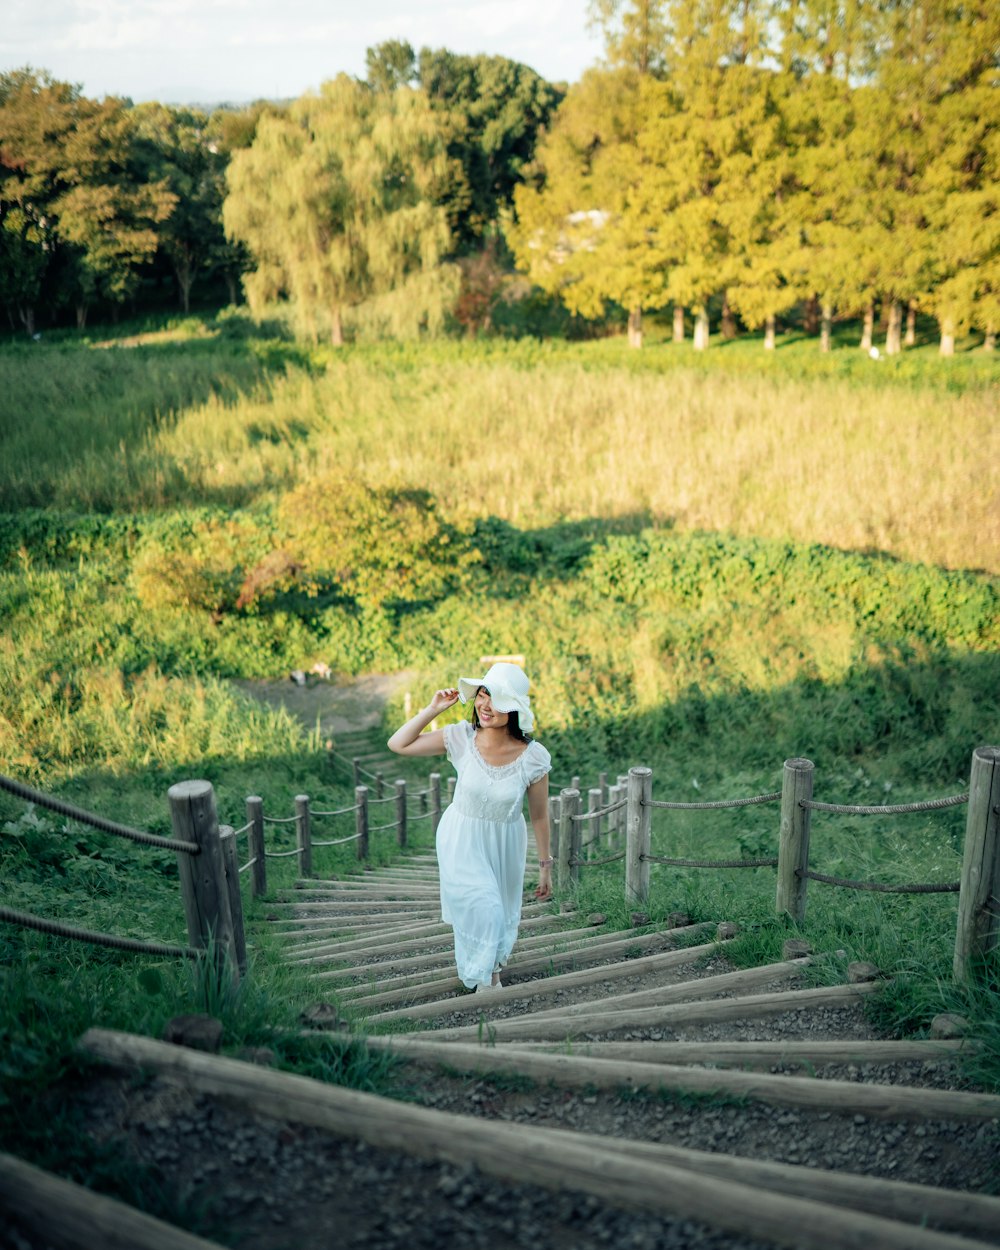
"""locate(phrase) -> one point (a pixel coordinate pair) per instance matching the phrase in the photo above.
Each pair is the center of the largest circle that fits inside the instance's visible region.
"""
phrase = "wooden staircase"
(584, 1009)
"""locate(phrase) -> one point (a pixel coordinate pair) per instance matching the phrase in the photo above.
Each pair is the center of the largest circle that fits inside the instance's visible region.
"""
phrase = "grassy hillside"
(711, 562)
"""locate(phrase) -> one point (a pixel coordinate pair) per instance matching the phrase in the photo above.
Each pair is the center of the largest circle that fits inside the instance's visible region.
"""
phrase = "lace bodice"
(488, 791)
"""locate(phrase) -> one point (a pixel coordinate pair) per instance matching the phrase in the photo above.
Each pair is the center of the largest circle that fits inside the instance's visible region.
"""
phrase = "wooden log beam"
(59, 1213)
(764, 1055)
(657, 997)
(556, 1160)
(671, 1015)
(412, 937)
(891, 1102)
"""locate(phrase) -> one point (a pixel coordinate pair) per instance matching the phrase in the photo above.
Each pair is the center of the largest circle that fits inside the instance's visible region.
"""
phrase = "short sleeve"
(456, 740)
(537, 762)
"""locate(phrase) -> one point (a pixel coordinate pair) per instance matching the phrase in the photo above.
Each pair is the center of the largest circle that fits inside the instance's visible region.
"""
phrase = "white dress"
(482, 841)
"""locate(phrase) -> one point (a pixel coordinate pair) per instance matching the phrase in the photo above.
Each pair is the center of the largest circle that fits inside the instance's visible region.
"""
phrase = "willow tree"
(336, 202)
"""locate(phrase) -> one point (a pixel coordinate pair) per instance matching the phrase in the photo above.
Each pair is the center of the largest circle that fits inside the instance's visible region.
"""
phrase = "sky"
(215, 51)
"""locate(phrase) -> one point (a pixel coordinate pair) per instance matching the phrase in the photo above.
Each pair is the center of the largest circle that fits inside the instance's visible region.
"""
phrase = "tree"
(182, 157)
(336, 202)
(578, 234)
(74, 200)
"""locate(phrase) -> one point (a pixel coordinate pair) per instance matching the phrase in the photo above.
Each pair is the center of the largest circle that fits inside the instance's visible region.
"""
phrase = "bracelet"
(545, 863)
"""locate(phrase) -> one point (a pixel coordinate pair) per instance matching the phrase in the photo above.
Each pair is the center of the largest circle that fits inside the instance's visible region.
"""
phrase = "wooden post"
(575, 783)
(638, 828)
(401, 812)
(303, 835)
(361, 820)
(979, 896)
(569, 803)
(258, 872)
(203, 876)
(451, 789)
(356, 766)
(230, 858)
(793, 844)
(576, 840)
(602, 781)
(379, 786)
(555, 817)
(595, 822)
(434, 782)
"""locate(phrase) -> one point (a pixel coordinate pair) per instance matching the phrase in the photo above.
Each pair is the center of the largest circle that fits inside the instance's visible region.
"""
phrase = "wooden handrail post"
(979, 895)
(303, 835)
(230, 859)
(595, 823)
(602, 781)
(793, 842)
(451, 789)
(569, 803)
(258, 870)
(356, 768)
(361, 820)
(638, 831)
(379, 786)
(203, 876)
(434, 782)
(401, 811)
(555, 817)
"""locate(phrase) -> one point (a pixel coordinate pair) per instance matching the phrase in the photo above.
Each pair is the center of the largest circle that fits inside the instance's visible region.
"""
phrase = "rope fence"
(619, 813)
(58, 929)
(53, 804)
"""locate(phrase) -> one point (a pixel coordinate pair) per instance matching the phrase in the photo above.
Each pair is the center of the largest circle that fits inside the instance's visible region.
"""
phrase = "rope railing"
(280, 820)
(243, 829)
(249, 864)
(393, 824)
(770, 861)
(885, 809)
(580, 817)
(717, 804)
(340, 811)
(58, 929)
(353, 837)
(950, 887)
(53, 804)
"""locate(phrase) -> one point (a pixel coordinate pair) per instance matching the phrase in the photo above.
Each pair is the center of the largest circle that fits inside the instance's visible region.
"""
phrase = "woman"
(482, 839)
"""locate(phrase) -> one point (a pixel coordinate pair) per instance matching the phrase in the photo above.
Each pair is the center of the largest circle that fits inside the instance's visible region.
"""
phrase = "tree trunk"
(810, 319)
(911, 325)
(769, 332)
(678, 324)
(27, 316)
(947, 337)
(635, 327)
(869, 329)
(81, 316)
(336, 329)
(701, 329)
(826, 330)
(184, 273)
(728, 320)
(894, 329)
(232, 287)
(990, 341)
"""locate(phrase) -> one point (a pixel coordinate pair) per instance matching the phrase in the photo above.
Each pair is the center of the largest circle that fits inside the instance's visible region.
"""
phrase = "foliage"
(336, 202)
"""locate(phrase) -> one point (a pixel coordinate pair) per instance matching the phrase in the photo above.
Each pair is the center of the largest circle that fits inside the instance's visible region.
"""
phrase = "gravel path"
(266, 1185)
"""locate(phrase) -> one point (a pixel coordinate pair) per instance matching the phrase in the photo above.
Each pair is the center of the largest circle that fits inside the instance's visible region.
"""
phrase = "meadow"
(712, 562)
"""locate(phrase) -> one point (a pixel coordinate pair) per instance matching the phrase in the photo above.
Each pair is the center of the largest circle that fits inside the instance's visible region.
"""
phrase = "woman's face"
(489, 718)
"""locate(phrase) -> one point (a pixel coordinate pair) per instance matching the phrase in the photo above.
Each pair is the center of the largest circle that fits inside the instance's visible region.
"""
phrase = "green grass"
(713, 562)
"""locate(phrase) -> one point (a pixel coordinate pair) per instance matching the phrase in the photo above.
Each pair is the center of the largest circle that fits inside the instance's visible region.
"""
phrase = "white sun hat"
(508, 687)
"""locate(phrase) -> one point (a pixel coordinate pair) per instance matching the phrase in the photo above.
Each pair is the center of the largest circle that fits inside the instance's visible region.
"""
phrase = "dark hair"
(513, 722)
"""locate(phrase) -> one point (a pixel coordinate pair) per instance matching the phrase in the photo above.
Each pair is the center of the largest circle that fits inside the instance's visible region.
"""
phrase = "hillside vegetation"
(711, 566)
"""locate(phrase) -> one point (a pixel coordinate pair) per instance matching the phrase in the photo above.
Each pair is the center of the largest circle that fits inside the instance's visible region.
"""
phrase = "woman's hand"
(544, 890)
(442, 700)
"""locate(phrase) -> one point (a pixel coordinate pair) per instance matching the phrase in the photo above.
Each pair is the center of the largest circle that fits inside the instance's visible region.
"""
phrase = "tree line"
(739, 158)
